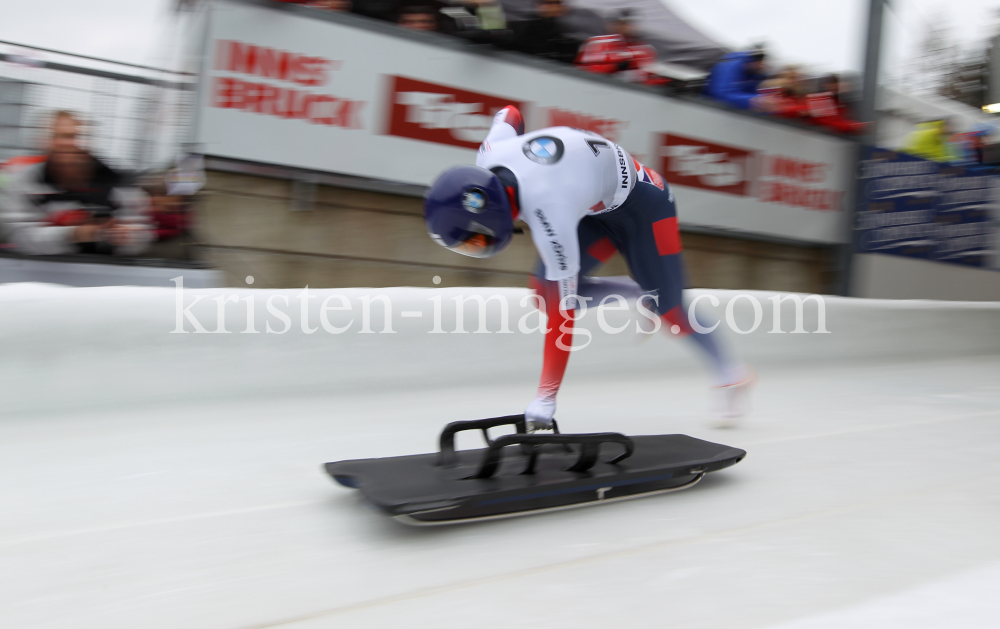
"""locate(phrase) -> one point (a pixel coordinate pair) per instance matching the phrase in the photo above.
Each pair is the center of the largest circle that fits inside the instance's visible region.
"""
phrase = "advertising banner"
(323, 93)
(921, 209)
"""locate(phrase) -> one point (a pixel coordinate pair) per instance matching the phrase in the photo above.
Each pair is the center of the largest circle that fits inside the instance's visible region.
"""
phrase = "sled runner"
(520, 474)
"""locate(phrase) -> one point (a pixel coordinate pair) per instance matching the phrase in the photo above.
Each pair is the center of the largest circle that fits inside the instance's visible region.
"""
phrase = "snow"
(151, 479)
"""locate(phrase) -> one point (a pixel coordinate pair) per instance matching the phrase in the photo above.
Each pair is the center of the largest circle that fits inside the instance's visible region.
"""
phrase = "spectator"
(8, 170)
(168, 211)
(418, 18)
(784, 94)
(378, 9)
(476, 20)
(622, 53)
(825, 107)
(930, 141)
(15, 165)
(734, 79)
(72, 202)
(969, 147)
(331, 5)
(172, 216)
(489, 13)
(544, 35)
(172, 197)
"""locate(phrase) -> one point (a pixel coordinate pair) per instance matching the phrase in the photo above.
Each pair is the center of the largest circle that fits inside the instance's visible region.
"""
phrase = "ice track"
(160, 480)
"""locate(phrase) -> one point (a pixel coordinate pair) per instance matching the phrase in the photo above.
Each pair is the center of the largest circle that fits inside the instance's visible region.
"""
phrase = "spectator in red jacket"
(622, 53)
(170, 214)
(783, 95)
(825, 107)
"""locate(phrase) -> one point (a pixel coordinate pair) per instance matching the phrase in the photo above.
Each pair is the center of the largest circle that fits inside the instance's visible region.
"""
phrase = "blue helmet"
(467, 211)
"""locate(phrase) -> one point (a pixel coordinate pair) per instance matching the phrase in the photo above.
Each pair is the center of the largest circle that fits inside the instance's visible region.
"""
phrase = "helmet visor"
(477, 246)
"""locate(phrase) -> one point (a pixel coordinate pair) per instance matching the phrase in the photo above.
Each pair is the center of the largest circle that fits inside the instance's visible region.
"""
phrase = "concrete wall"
(896, 277)
(247, 226)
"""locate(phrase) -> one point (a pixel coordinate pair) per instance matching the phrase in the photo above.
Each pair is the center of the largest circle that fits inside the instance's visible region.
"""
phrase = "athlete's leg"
(595, 249)
(646, 229)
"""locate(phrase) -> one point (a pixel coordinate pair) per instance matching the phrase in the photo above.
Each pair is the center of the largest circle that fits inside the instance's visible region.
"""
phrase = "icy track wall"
(100, 347)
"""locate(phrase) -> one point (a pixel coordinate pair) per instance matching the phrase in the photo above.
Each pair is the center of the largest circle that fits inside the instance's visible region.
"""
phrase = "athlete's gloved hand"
(539, 413)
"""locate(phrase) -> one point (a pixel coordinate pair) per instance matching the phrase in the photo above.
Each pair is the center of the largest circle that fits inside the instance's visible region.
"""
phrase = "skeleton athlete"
(584, 198)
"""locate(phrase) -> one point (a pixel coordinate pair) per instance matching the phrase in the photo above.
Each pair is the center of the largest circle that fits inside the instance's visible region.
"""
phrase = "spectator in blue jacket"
(734, 79)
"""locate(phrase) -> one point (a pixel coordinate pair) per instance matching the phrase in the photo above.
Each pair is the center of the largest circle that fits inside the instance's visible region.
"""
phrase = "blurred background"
(292, 141)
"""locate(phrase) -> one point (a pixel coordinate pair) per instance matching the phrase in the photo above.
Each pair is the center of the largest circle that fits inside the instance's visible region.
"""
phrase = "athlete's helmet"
(467, 210)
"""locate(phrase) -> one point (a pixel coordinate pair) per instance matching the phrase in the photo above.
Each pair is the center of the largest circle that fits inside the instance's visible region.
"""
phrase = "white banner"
(285, 89)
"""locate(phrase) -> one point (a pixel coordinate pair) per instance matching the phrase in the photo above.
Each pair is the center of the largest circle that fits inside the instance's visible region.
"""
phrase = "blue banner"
(921, 209)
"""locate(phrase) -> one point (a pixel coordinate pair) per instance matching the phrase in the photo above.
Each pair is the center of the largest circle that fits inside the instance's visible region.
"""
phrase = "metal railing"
(137, 116)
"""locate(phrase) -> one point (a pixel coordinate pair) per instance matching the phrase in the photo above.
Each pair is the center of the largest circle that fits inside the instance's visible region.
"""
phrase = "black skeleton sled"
(520, 473)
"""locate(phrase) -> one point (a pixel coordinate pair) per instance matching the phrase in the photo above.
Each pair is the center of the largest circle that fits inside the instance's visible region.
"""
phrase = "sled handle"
(590, 450)
(447, 441)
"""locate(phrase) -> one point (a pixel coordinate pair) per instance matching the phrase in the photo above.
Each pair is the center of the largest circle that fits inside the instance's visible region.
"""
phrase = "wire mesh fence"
(136, 119)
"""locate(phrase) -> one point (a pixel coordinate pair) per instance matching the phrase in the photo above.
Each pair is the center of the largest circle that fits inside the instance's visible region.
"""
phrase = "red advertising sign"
(280, 83)
(768, 177)
(700, 164)
(441, 114)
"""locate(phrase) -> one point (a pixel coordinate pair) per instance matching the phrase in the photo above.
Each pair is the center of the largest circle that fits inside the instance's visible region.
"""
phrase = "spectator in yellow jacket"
(930, 141)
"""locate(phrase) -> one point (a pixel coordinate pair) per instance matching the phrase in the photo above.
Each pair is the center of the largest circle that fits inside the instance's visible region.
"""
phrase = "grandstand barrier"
(291, 86)
(375, 111)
